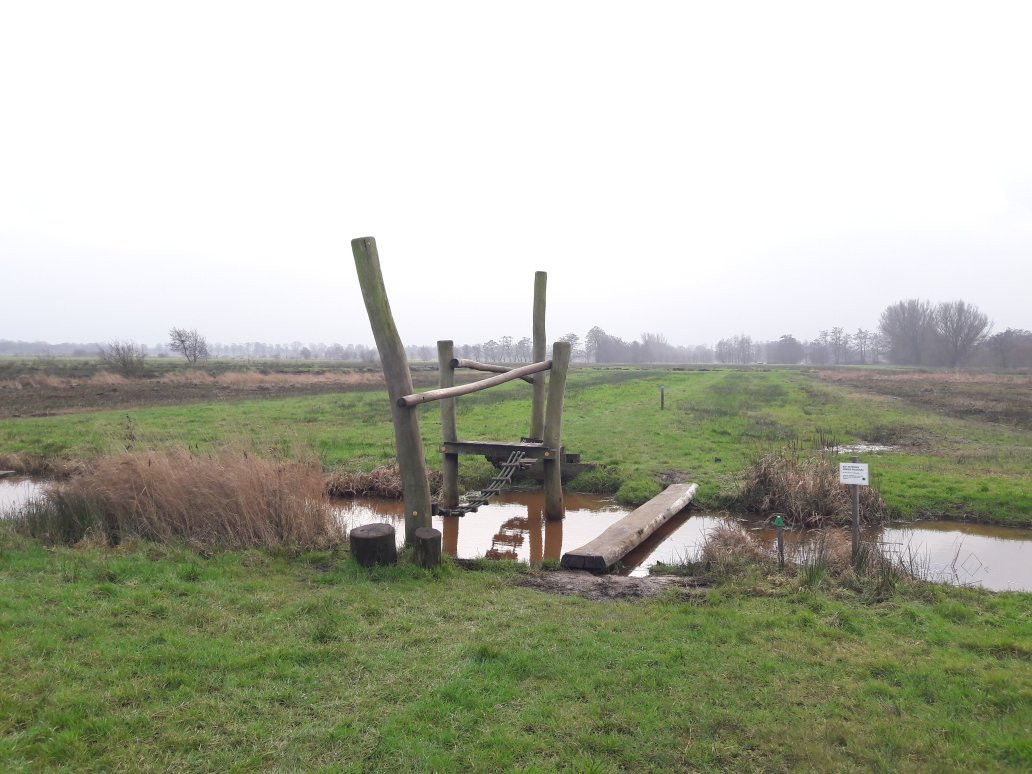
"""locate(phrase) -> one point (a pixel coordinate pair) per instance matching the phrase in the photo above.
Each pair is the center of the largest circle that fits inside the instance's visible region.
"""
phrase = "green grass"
(714, 424)
(154, 658)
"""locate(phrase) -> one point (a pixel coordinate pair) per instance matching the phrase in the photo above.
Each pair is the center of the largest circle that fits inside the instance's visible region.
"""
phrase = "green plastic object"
(778, 521)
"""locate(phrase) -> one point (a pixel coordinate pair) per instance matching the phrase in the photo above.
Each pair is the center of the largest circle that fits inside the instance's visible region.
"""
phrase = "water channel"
(513, 527)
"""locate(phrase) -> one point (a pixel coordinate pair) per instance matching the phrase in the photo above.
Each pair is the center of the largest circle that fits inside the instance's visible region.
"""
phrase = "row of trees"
(910, 332)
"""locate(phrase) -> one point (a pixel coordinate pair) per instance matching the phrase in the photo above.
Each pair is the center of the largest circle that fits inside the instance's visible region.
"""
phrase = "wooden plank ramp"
(6, 473)
(620, 538)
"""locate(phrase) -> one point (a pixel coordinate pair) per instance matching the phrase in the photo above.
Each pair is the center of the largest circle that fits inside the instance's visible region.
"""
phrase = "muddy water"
(513, 527)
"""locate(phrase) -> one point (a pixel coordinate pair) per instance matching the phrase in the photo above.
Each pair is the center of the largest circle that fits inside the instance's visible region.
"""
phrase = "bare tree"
(909, 326)
(124, 357)
(960, 328)
(190, 344)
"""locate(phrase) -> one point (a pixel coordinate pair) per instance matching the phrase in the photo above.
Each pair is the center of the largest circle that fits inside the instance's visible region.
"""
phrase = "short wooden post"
(856, 516)
(428, 548)
(373, 544)
(662, 397)
(553, 431)
(537, 406)
(449, 462)
(408, 441)
(779, 523)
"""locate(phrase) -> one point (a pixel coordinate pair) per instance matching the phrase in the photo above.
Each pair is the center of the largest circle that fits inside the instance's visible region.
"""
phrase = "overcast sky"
(695, 169)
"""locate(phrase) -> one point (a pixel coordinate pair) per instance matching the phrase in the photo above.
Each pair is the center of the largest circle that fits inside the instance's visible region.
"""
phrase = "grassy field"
(715, 422)
(153, 658)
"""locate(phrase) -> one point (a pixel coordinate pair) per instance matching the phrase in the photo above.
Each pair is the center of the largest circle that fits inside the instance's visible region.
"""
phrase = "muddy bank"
(607, 587)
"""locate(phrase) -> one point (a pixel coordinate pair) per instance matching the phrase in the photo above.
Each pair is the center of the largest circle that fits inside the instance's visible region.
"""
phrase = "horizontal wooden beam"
(461, 362)
(497, 449)
(408, 401)
(620, 538)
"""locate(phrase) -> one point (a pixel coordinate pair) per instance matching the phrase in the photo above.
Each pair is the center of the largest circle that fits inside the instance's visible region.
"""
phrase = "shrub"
(229, 500)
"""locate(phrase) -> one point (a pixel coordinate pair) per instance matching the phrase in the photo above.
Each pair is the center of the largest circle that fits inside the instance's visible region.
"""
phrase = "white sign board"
(853, 473)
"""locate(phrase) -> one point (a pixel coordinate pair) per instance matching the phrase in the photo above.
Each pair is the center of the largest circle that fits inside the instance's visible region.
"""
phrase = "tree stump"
(373, 544)
(428, 547)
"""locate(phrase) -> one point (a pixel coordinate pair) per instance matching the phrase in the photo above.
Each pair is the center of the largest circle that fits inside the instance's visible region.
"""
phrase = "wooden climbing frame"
(544, 442)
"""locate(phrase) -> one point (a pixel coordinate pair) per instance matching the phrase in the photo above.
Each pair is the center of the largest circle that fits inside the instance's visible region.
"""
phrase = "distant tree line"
(909, 332)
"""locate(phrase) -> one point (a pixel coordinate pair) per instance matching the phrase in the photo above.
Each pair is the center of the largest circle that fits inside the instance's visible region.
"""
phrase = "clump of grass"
(806, 490)
(728, 548)
(384, 481)
(637, 491)
(229, 499)
(600, 480)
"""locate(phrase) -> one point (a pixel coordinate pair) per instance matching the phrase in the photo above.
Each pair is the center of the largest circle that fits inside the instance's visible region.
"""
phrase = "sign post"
(856, 475)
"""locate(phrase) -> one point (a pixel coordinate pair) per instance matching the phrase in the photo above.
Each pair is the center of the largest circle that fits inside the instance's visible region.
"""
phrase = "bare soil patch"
(43, 395)
(605, 587)
(989, 397)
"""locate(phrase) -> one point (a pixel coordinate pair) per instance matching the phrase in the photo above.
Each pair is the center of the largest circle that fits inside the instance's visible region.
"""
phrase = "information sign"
(853, 473)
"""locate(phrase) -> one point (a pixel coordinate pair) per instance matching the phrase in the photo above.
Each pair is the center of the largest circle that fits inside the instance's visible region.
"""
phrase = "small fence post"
(449, 462)
(779, 522)
(553, 431)
(856, 517)
(662, 397)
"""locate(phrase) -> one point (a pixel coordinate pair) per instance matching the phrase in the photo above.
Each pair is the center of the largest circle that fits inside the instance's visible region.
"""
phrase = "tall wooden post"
(407, 439)
(449, 462)
(537, 407)
(553, 431)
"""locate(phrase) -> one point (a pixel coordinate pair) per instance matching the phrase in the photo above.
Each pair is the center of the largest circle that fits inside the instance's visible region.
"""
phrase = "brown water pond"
(513, 527)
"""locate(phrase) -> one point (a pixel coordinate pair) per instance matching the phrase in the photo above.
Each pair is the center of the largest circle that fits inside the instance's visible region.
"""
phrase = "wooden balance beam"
(631, 531)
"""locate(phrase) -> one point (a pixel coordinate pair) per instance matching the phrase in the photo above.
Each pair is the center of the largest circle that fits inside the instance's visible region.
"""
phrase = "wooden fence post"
(407, 439)
(553, 431)
(449, 462)
(537, 406)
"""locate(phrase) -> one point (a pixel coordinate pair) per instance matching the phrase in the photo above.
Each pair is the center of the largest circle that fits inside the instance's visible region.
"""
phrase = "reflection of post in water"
(534, 514)
(450, 535)
(553, 539)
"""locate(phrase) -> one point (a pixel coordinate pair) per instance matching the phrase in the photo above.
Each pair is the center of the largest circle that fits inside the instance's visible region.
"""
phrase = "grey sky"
(695, 169)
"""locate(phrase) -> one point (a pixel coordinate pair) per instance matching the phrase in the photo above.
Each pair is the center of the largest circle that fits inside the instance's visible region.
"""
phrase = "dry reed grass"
(251, 380)
(384, 482)
(46, 381)
(731, 544)
(806, 490)
(229, 500)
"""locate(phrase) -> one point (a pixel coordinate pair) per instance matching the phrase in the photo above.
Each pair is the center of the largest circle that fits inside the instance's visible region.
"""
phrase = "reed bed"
(228, 500)
(384, 481)
(806, 489)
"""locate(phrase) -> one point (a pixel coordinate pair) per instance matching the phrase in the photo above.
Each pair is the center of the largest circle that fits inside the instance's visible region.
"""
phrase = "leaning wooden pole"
(553, 431)
(449, 432)
(407, 439)
(537, 406)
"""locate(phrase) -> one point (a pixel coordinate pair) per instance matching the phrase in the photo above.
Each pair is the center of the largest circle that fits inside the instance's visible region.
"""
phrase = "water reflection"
(514, 527)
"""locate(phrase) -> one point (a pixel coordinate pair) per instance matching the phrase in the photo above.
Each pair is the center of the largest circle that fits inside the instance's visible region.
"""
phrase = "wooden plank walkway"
(620, 538)
(6, 473)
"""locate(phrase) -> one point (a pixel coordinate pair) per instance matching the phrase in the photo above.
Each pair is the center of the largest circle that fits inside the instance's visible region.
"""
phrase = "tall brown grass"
(229, 499)
(384, 481)
(806, 489)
